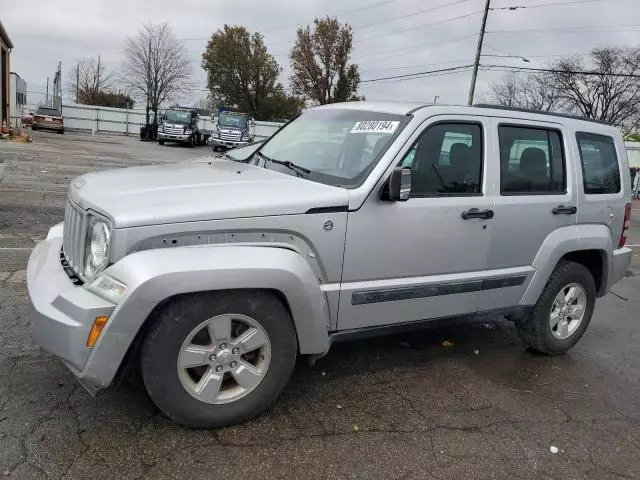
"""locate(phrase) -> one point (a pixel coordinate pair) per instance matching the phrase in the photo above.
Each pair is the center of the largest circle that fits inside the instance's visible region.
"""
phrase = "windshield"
(175, 116)
(339, 147)
(49, 112)
(230, 120)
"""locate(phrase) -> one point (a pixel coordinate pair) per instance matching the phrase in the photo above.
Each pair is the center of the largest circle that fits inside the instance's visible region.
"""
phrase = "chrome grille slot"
(173, 130)
(74, 236)
(233, 135)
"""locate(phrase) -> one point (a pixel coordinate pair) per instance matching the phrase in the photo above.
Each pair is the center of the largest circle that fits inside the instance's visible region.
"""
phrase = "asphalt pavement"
(403, 406)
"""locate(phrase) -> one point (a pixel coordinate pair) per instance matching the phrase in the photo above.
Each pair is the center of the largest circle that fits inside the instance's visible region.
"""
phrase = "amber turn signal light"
(96, 329)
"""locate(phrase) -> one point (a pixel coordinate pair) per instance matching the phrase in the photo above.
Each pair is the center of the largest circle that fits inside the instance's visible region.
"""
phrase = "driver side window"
(446, 161)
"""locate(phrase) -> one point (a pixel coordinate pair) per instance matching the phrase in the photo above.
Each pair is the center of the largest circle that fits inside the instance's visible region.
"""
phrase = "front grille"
(74, 236)
(232, 135)
(171, 130)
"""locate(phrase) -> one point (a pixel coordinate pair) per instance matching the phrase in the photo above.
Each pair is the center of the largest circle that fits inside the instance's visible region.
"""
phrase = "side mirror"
(398, 189)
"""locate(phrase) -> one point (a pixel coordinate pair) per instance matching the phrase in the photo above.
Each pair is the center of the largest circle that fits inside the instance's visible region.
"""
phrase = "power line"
(562, 71)
(413, 14)
(300, 24)
(599, 28)
(542, 5)
(385, 69)
(427, 75)
(417, 74)
(403, 51)
(418, 27)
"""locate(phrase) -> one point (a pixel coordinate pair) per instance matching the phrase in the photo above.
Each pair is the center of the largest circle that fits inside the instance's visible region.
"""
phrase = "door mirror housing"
(398, 188)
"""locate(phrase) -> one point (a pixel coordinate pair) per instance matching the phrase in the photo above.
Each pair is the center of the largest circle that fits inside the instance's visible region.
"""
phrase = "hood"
(187, 192)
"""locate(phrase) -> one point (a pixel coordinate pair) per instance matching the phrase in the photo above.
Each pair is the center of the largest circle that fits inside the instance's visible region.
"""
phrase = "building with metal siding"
(5, 52)
(17, 99)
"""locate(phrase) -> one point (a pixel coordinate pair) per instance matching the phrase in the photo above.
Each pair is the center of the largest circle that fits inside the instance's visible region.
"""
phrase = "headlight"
(188, 132)
(245, 138)
(161, 128)
(97, 251)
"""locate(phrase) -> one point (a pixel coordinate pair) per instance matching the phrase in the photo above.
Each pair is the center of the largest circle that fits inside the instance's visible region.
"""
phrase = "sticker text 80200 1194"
(375, 126)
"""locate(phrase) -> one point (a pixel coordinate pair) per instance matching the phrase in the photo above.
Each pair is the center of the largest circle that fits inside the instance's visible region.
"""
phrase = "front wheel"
(563, 311)
(218, 359)
(160, 142)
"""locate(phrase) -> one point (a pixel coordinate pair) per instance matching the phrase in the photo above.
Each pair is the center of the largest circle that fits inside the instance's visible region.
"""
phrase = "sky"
(391, 37)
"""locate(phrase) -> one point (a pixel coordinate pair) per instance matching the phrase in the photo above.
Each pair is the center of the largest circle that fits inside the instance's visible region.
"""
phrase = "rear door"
(535, 195)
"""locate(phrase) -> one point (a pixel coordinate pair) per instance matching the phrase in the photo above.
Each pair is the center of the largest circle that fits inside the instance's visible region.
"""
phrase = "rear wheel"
(563, 311)
(218, 359)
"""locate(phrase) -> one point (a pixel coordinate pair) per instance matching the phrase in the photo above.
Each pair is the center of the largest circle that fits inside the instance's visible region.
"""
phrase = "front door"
(535, 196)
(423, 258)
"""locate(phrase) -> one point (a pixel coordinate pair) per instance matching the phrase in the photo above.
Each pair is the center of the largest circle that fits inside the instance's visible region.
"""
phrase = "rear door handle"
(477, 213)
(564, 210)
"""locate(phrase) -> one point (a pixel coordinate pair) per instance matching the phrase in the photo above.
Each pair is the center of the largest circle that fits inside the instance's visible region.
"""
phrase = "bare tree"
(157, 67)
(533, 91)
(607, 89)
(89, 80)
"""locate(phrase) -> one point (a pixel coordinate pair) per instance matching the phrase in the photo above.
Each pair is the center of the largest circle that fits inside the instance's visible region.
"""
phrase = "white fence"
(89, 118)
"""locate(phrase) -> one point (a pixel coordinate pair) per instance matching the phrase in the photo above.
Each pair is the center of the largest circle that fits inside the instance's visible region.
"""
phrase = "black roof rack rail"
(420, 107)
(540, 112)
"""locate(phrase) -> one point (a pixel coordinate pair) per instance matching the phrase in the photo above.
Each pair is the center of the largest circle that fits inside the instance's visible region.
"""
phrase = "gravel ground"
(397, 407)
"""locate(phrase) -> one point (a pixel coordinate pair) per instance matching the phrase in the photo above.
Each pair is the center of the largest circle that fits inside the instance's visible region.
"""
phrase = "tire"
(536, 331)
(173, 328)
(61, 132)
(160, 142)
(192, 142)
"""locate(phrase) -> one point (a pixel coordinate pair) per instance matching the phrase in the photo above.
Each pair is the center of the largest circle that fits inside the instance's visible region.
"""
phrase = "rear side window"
(531, 161)
(600, 171)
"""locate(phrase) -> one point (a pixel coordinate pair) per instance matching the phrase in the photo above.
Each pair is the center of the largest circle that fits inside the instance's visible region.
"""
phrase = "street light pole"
(476, 64)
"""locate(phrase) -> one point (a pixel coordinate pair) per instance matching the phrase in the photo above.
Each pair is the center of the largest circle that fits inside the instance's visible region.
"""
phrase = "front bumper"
(173, 137)
(217, 142)
(62, 313)
(48, 126)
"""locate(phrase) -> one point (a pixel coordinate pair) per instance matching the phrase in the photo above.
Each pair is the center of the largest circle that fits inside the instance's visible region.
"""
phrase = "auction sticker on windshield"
(375, 126)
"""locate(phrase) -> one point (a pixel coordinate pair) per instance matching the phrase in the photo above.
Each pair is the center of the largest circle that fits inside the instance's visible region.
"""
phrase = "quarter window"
(531, 161)
(600, 171)
(446, 160)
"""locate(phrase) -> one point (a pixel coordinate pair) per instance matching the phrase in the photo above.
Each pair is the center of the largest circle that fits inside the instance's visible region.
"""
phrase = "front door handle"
(477, 213)
(564, 210)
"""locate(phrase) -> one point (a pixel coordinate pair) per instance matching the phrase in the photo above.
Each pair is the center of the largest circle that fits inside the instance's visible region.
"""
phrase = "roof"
(409, 108)
(4, 36)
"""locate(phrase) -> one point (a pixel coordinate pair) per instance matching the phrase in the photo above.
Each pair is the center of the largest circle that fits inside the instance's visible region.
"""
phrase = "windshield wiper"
(300, 171)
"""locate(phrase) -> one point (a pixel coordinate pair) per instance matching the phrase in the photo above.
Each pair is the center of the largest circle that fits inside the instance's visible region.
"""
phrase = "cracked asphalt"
(397, 407)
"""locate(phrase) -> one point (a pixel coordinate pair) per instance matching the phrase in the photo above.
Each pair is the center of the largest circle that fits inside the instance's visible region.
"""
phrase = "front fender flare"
(152, 276)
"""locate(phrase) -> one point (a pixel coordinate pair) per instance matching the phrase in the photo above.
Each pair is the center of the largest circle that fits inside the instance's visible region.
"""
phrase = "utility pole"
(77, 80)
(46, 98)
(476, 64)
